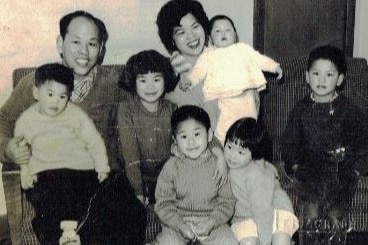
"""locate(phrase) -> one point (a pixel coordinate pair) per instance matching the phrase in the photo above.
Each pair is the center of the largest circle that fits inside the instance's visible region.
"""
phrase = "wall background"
(28, 31)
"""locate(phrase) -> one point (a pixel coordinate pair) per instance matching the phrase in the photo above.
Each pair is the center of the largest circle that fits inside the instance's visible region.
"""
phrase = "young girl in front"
(263, 212)
(231, 73)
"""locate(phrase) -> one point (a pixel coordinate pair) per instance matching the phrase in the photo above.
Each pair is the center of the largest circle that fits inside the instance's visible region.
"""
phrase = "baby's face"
(52, 98)
(192, 138)
(223, 33)
(237, 156)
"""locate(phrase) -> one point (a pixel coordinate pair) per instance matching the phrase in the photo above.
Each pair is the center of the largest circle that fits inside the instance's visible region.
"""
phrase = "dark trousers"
(117, 216)
(58, 195)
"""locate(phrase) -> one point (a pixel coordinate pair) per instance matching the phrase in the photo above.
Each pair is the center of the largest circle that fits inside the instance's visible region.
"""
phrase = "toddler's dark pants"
(61, 194)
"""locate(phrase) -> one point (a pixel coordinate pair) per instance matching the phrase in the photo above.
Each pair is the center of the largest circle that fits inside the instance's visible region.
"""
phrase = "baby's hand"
(187, 232)
(184, 84)
(28, 181)
(279, 72)
(102, 176)
(179, 63)
(204, 228)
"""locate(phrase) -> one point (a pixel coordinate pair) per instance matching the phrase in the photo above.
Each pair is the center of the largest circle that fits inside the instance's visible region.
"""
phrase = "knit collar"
(313, 98)
(330, 102)
(198, 162)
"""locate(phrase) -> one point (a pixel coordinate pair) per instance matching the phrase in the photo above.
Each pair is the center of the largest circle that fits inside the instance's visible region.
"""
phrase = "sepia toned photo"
(183, 122)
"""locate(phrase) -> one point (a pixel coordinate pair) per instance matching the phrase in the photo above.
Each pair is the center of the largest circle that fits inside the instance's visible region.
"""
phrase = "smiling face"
(189, 37)
(237, 156)
(223, 33)
(150, 87)
(192, 138)
(52, 98)
(323, 78)
(80, 47)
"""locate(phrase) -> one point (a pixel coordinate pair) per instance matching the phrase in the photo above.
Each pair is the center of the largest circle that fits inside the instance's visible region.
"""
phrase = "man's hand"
(18, 150)
(179, 63)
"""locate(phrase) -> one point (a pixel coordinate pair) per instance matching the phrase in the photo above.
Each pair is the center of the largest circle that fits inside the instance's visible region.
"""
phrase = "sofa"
(277, 102)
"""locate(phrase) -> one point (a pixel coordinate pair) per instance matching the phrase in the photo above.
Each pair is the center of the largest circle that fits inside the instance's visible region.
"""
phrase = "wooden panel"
(294, 27)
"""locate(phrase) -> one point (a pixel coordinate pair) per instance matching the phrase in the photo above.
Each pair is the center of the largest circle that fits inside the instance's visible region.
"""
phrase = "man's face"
(80, 47)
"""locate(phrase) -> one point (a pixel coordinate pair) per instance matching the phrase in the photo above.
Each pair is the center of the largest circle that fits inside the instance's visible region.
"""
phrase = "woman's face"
(189, 37)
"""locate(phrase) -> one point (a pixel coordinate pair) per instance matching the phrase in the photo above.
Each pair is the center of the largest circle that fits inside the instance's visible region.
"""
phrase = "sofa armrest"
(13, 199)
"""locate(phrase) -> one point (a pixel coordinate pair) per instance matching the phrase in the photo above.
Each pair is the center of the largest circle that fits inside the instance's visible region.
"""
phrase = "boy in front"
(189, 202)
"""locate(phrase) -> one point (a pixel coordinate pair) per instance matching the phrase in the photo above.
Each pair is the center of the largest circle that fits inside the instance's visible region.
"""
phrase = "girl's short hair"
(249, 133)
(144, 62)
(170, 15)
(224, 17)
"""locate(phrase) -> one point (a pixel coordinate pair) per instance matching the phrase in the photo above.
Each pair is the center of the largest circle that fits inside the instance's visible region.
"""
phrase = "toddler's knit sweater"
(185, 188)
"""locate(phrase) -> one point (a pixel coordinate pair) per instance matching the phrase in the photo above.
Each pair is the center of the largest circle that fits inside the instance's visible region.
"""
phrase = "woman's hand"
(179, 63)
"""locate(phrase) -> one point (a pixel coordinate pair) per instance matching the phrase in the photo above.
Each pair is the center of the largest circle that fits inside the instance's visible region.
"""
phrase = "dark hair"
(224, 17)
(249, 133)
(189, 112)
(65, 21)
(144, 62)
(56, 72)
(333, 54)
(170, 15)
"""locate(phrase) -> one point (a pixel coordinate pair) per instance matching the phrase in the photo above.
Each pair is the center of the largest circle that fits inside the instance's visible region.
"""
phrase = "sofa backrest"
(21, 72)
(280, 96)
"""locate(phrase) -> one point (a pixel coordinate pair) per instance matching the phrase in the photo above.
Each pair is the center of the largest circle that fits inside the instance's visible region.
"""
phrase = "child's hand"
(176, 151)
(70, 241)
(187, 232)
(143, 200)
(28, 181)
(204, 228)
(279, 72)
(220, 175)
(102, 176)
(179, 63)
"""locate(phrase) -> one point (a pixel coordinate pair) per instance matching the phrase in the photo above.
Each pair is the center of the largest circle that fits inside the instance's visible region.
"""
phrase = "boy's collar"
(313, 98)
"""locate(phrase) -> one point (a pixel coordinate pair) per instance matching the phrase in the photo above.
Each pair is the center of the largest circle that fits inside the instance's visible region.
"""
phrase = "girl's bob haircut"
(143, 63)
(249, 133)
